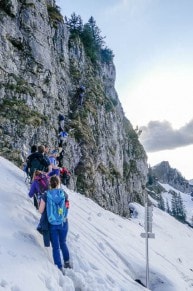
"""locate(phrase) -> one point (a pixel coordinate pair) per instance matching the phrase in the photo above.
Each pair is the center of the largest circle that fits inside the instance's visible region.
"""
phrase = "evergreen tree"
(89, 44)
(191, 221)
(91, 38)
(174, 205)
(168, 210)
(96, 33)
(161, 203)
(150, 176)
(178, 209)
(181, 212)
(106, 55)
(75, 24)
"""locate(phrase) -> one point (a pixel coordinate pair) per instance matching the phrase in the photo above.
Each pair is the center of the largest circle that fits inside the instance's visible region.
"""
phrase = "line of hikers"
(51, 201)
(62, 132)
(41, 158)
(44, 169)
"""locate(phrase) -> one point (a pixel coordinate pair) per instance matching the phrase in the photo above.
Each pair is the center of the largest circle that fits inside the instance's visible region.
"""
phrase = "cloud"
(125, 8)
(158, 136)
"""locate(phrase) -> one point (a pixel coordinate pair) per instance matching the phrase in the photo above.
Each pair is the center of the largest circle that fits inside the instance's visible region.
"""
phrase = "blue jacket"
(44, 229)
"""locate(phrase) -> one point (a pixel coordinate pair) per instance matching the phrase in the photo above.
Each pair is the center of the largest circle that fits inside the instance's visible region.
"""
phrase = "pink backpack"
(43, 182)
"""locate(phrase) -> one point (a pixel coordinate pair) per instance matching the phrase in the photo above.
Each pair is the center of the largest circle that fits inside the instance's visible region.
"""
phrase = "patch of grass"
(113, 171)
(54, 14)
(130, 167)
(12, 155)
(102, 169)
(74, 71)
(18, 85)
(13, 109)
(109, 105)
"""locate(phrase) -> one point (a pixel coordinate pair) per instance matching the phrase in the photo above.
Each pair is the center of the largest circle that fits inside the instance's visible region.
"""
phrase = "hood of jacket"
(56, 195)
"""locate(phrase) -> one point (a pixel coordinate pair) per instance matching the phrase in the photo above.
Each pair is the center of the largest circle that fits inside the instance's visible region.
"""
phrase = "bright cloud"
(163, 94)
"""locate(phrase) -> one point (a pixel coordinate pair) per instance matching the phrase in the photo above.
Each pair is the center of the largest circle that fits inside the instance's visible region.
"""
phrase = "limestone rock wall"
(40, 69)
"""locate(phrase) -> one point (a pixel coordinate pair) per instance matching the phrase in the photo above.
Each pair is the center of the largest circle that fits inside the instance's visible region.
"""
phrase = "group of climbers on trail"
(37, 160)
(51, 201)
(64, 172)
(45, 171)
(62, 133)
(50, 162)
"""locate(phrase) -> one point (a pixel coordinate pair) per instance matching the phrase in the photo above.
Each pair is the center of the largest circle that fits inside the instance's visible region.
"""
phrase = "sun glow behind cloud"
(164, 94)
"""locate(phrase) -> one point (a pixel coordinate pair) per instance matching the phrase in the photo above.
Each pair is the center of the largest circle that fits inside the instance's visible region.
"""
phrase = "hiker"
(46, 155)
(65, 176)
(80, 94)
(40, 184)
(62, 137)
(61, 121)
(60, 157)
(25, 165)
(46, 150)
(55, 203)
(55, 170)
(37, 161)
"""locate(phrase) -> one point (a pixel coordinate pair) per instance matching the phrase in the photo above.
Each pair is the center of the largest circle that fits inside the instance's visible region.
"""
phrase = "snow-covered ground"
(106, 250)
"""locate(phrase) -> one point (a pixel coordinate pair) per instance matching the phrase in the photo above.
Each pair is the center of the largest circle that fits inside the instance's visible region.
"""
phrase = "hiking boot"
(67, 265)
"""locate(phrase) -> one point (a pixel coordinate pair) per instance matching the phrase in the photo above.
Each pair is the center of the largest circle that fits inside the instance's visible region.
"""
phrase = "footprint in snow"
(3, 283)
(27, 237)
(15, 288)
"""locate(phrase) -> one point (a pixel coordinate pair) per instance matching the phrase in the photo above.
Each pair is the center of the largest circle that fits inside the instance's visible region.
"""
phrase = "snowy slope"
(107, 251)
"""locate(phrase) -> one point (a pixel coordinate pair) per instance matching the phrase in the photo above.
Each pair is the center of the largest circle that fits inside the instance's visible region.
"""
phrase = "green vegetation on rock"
(19, 111)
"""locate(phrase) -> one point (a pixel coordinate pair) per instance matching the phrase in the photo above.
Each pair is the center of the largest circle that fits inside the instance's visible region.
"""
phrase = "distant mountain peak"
(164, 173)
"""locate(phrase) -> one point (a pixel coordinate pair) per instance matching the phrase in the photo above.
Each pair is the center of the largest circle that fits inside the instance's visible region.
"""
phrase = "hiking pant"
(58, 235)
(80, 99)
(65, 179)
(62, 124)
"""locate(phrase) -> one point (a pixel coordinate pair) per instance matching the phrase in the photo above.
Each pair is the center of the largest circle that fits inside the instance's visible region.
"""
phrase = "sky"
(106, 250)
(153, 46)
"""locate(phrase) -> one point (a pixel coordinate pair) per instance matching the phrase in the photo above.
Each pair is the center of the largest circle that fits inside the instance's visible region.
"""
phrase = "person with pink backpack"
(40, 184)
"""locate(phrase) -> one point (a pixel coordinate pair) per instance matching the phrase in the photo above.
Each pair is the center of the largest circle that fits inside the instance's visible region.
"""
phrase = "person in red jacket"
(65, 176)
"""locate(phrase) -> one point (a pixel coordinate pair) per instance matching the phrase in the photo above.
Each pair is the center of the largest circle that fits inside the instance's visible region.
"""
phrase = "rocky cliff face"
(165, 174)
(40, 69)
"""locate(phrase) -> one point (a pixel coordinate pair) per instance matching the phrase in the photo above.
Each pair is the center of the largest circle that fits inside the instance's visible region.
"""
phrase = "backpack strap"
(67, 203)
(42, 183)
